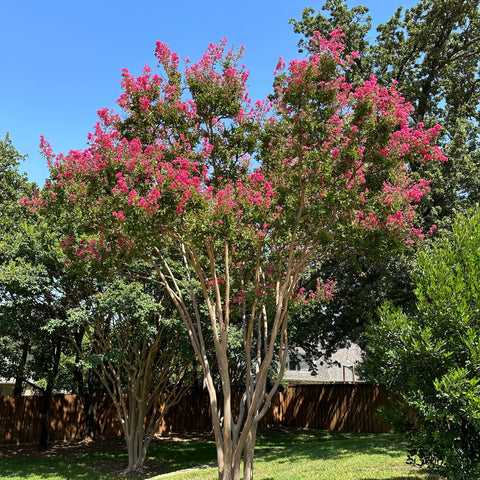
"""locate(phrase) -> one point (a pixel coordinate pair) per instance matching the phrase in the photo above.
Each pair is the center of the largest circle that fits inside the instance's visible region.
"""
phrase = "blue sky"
(61, 61)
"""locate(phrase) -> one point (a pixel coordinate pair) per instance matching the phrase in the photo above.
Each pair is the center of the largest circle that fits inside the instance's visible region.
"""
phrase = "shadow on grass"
(164, 456)
(39, 468)
(406, 477)
(402, 477)
(174, 455)
(167, 455)
(314, 446)
(317, 445)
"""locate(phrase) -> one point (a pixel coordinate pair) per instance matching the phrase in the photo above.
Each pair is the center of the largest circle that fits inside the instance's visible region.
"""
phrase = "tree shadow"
(338, 447)
(327, 445)
(98, 462)
(405, 477)
(66, 468)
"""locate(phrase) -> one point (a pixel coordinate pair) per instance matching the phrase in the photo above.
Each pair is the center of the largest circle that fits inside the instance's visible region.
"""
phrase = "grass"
(106, 464)
(326, 456)
(305, 455)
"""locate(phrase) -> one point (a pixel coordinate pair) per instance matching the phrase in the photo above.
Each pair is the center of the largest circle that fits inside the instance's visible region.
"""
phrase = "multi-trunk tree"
(140, 356)
(249, 196)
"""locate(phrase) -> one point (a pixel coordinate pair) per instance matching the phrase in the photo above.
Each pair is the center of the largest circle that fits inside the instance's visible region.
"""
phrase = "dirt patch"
(117, 467)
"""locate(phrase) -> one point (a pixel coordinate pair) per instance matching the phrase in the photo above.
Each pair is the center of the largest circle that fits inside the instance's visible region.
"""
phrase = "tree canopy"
(232, 201)
(432, 51)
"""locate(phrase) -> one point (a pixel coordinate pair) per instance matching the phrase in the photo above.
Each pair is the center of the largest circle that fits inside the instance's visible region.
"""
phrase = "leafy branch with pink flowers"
(248, 195)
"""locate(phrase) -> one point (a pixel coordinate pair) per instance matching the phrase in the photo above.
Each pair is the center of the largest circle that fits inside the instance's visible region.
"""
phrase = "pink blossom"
(119, 215)
(144, 103)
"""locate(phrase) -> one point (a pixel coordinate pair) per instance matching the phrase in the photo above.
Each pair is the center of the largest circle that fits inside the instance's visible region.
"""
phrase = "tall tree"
(432, 51)
(332, 177)
(35, 292)
(13, 186)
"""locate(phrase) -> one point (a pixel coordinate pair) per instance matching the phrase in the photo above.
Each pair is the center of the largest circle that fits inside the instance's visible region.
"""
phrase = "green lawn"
(279, 456)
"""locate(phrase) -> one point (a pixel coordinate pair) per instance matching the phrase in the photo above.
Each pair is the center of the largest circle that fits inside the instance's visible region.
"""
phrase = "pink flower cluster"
(211, 70)
(33, 203)
(91, 250)
(323, 293)
(334, 47)
(168, 59)
(239, 298)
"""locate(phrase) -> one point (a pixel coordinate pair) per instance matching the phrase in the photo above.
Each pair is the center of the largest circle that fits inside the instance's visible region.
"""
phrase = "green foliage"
(30, 294)
(430, 359)
(35, 294)
(11, 181)
(432, 51)
(124, 317)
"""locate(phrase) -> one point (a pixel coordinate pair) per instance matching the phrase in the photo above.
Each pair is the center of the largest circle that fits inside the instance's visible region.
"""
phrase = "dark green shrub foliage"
(430, 359)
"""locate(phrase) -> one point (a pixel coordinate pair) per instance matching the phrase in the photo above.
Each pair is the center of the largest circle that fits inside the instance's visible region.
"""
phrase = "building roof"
(328, 370)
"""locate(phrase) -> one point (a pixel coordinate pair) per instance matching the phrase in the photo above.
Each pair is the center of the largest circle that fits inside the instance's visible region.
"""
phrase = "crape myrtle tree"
(429, 359)
(139, 355)
(432, 50)
(177, 177)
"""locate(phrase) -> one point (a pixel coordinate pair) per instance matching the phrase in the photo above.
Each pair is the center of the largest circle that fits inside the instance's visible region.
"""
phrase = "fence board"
(66, 417)
(335, 407)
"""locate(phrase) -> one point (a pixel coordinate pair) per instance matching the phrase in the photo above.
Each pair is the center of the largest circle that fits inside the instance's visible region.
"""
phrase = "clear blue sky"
(61, 60)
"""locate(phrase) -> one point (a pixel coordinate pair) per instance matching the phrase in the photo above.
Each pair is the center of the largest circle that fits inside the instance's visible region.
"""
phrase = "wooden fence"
(328, 407)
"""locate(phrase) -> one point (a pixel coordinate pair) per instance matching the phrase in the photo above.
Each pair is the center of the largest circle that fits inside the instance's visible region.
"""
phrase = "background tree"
(139, 355)
(35, 294)
(13, 186)
(27, 288)
(332, 177)
(433, 51)
(429, 359)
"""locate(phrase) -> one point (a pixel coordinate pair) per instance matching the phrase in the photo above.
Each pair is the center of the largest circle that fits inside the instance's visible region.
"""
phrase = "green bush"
(430, 360)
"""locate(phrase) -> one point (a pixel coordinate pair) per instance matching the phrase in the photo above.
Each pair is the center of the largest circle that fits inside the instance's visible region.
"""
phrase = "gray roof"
(329, 370)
